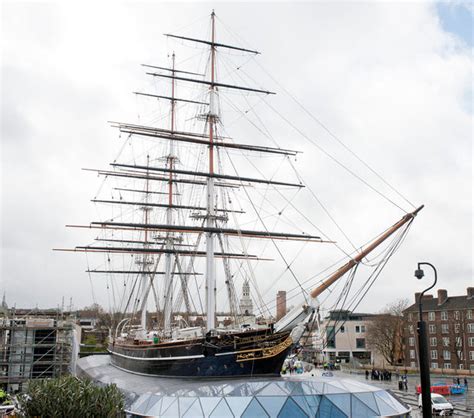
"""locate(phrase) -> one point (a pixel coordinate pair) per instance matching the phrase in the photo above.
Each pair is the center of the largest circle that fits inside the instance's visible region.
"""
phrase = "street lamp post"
(423, 345)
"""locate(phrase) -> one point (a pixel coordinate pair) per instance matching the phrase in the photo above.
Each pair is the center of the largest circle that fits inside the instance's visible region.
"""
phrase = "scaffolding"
(33, 347)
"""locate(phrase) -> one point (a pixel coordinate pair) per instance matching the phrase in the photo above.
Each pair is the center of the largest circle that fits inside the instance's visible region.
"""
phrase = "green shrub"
(70, 397)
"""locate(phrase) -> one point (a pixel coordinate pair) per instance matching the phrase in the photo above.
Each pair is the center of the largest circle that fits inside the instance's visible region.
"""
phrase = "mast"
(211, 220)
(169, 214)
(144, 261)
(366, 251)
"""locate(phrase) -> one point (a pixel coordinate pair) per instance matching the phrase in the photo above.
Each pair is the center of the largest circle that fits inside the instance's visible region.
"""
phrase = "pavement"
(463, 404)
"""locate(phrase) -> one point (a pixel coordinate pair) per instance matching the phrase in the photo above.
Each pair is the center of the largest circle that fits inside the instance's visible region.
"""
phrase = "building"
(280, 304)
(450, 329)
(246, 305)
(36, 345)
(344, 338)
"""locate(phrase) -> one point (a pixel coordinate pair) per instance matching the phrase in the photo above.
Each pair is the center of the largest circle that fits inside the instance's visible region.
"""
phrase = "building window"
(470, 341)
(469, 314)
(447, 354)
(446, 365)
(431, 316)
(410, 329)
(433, 341)
(471, 367)
(471, 355)
(470, 328)
(410, 317)
(456, 315)
(460, 355)
(434, 365)
(411, 341)
(330, 337)
(460, 367)
(446, 341)
(457, 328)
(360, 342)
(360, 328)
(413, 364)
(444, 315)
(458, 342)
(445, 328)
(432, 329)
(412, 353)
(434, 354)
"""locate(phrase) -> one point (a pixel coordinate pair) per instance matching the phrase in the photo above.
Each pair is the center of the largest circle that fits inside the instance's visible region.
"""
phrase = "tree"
(457, 330)
(384, 333)
(70, 397)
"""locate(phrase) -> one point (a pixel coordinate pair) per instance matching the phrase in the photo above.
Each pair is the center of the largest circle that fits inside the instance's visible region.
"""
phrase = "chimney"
(442, 296)
(281, 304)
(425, 297)
(470, 292)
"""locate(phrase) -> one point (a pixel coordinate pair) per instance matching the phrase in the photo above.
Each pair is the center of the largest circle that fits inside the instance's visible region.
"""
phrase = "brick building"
(450, 330)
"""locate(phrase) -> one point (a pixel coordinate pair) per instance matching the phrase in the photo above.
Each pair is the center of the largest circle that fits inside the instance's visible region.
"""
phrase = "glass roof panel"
(241, 390)
(256, 386)
(333, 387)
(238, 404)
(194, 411)
(285, 386)
(140, 405)
(354, 386)
(172, 411)
(291, 410)
(255, 410)
(298, 389)
(389, 399)
(369, 399)
(185, 403)
(328, 409)
(308, 403)
(384, 407)
(360, 409)
(273, 390)
(153, 409)
(208, 404)
(222, 410)
(272, 404)
(343, 402)
(317, 388)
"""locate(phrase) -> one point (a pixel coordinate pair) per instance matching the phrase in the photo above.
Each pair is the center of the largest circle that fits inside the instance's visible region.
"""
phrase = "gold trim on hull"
(262, 353)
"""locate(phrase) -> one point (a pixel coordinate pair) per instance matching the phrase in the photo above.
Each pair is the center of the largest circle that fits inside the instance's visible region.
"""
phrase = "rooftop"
(448, 303)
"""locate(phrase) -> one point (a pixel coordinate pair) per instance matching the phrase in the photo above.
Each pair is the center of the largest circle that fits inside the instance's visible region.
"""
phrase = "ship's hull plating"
(247, 355)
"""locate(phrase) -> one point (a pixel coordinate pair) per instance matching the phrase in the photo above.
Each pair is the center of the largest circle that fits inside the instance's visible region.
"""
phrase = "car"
(439, 404)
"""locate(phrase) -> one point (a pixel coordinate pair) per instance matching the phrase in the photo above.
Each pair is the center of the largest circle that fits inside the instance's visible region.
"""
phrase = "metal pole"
(423, 347)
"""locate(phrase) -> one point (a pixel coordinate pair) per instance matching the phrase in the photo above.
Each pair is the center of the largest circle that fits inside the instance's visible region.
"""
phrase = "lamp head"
(419, 274)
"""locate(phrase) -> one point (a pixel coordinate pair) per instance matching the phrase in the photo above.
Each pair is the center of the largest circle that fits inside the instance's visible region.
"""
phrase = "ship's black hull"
(256, 354)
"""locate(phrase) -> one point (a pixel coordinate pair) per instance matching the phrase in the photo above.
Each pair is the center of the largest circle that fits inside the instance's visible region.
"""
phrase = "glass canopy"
(291, 397)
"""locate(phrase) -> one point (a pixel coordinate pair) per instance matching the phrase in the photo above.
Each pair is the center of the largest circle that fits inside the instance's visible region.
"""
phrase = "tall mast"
(169, 213)
(144, 261)
(211, 220)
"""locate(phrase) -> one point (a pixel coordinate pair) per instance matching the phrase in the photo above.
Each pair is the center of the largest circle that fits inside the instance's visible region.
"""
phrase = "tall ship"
(186, 210)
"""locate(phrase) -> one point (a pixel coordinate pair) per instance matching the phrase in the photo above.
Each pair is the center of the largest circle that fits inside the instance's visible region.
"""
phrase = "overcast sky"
(392, 80)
